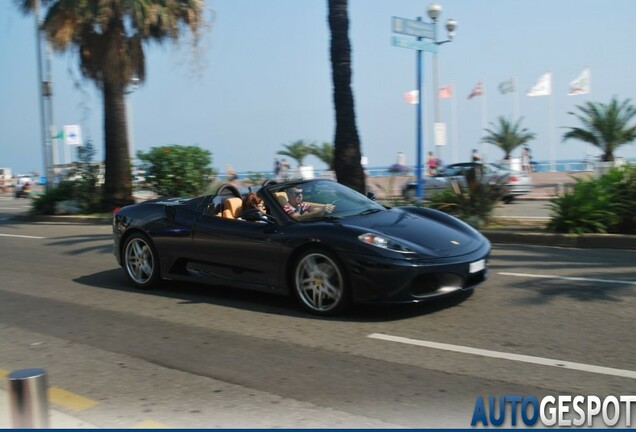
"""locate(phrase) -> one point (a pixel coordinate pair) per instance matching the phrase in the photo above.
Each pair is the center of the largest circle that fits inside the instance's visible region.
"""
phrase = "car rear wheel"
(141, 262)
(320, 284)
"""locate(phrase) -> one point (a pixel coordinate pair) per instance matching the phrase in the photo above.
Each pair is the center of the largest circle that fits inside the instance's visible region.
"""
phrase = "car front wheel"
(320, 284)
(141, 262)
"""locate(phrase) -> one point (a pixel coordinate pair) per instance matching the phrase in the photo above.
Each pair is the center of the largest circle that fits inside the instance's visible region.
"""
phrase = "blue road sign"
(413, 27)
(413, 44)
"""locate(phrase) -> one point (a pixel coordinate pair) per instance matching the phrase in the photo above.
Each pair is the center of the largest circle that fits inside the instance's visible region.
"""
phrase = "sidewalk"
(546, 185)
(550, 184)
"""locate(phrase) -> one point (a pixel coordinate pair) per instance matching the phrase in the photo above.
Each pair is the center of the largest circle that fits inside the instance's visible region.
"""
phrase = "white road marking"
(12, 208)
(611, 281)
(21, 236)
(524, 217)
(508, 356)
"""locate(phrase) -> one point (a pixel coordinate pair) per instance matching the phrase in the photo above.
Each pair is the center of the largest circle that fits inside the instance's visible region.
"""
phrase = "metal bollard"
(28, 398)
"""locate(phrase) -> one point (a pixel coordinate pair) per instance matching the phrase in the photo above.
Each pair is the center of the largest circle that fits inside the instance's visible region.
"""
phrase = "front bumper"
(378, 279)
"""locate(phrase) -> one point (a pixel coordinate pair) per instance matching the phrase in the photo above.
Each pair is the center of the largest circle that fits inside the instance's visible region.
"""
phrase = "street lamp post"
(45, 99)
(129, 111)
(434, 11)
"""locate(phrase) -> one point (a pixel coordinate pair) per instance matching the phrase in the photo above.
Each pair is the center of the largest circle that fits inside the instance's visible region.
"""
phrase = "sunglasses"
(297, 193)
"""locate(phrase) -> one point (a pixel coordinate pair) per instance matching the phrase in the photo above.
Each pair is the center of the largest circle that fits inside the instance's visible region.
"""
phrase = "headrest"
(233, 205)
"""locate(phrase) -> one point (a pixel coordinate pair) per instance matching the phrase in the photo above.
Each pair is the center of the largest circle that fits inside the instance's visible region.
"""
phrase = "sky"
(262, 79)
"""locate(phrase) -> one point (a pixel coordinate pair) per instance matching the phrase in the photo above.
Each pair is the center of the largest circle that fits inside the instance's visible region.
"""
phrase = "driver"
(296, 208)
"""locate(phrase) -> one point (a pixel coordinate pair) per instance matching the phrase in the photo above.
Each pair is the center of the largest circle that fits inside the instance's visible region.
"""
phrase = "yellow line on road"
(3, 373)
(67, 399)
(151, 424)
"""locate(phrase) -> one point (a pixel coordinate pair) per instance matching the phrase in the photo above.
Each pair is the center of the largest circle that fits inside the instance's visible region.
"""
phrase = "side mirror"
(371, 196)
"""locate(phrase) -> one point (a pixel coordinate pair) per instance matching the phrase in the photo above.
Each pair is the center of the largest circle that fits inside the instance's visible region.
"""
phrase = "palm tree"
(324, 152)
(507, 135)
(108, 37)
(604, 126)
(347, 155)
(297, 150)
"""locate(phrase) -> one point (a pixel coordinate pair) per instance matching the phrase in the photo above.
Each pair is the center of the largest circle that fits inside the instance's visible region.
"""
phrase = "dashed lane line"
(571, 278)
(21, 236)
(509, 356)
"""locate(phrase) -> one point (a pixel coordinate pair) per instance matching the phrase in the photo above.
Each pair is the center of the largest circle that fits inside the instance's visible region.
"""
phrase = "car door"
(453, 173)
(241, 252)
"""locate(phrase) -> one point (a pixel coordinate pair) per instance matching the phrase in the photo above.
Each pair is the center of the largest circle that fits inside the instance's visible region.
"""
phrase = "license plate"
(477, 266)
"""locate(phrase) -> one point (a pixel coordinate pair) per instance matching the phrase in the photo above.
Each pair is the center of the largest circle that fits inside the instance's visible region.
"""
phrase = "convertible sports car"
(354, 250)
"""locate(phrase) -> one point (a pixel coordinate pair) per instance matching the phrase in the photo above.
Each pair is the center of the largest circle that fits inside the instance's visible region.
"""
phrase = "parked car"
(360, 252)
(520, 182)
(515, 182)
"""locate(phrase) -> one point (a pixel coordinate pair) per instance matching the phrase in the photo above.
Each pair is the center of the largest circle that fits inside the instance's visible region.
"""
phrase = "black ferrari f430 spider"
(344, 248)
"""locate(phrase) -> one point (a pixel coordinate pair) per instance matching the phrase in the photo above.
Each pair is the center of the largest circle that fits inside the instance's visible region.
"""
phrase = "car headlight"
(383, 242)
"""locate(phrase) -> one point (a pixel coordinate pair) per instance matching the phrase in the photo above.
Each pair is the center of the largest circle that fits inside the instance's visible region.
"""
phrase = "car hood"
(433, 235)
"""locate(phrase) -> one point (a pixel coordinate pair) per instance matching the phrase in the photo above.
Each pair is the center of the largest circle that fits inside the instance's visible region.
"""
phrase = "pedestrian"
(476, 156)
(230, 173)
(277, 167)
(526, 157)
(431, 162)
(284, 169)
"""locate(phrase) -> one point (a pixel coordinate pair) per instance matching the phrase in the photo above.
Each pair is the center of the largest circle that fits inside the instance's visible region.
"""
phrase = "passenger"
(252, 202)
(296, 208)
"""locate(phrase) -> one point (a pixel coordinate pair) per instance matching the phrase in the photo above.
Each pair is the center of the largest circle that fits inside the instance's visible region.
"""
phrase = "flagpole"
(454, 115)
(419, 60)
(551, 128)
(515, 107)
(484, 118)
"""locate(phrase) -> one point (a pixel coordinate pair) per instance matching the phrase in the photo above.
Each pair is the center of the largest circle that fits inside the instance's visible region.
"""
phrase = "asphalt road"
(191, 356)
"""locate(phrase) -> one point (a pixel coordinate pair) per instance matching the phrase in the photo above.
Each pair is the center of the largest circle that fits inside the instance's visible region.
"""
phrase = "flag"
(581, 85)
(543, 86)
(412, 97)
(506, 87)
(445, 92)
(477, 91)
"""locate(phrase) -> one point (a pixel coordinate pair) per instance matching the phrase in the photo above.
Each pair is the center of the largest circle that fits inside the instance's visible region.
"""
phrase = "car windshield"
(324, 199)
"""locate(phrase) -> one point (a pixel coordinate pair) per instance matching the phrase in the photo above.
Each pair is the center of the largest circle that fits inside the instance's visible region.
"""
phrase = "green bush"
(606, 204)
(45, 204)
(176, 170)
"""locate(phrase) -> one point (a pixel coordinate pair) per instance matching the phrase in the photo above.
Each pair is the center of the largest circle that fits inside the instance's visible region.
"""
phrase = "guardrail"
(544, 166)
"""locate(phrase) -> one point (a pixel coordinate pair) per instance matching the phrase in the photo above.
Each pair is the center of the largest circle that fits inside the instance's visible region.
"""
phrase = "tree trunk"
(347, 154)
(118, 184)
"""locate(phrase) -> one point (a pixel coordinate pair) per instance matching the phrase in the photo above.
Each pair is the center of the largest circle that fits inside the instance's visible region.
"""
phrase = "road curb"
(580, 241)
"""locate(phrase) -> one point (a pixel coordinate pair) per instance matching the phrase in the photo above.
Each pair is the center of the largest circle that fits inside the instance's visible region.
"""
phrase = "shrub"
(473, 204)
(83, 190)
(46, 203)
(606, 204)
(176, 170)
